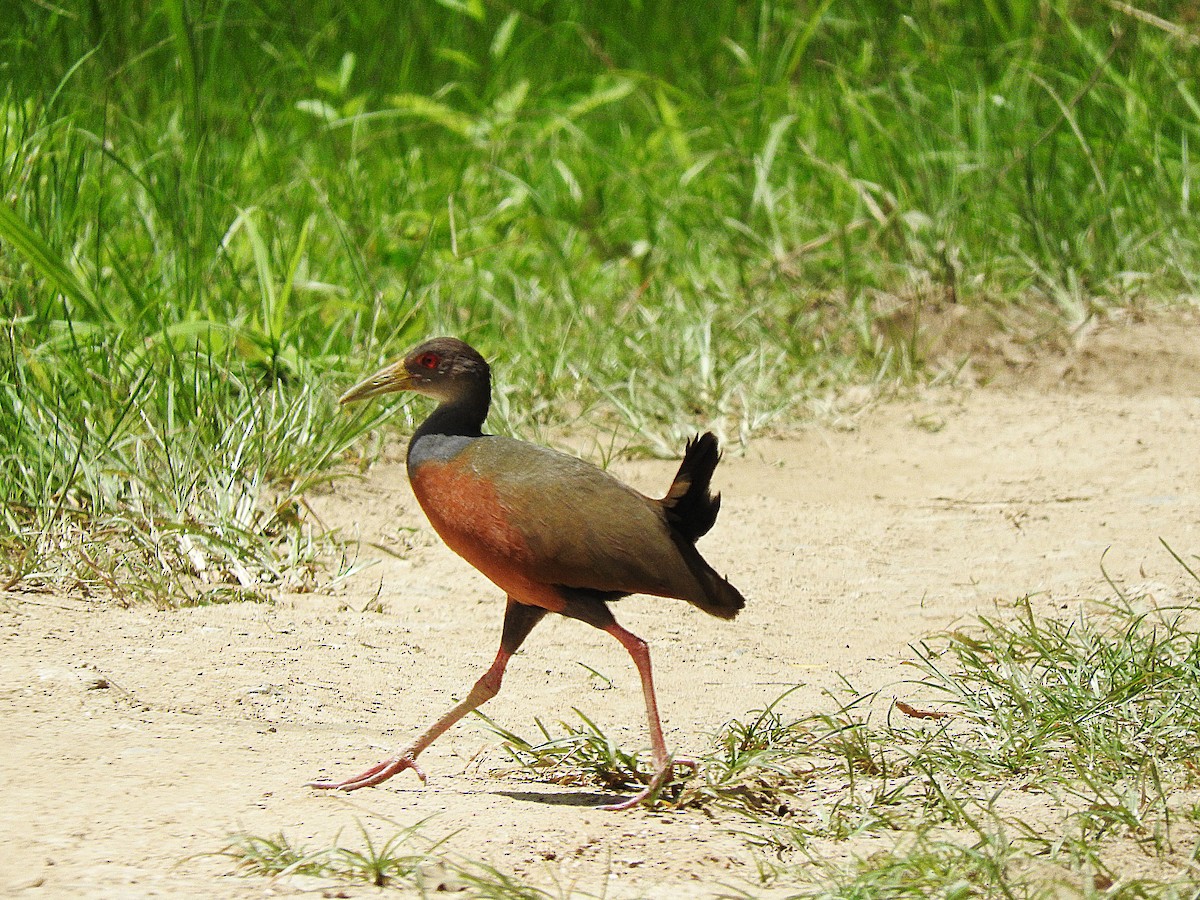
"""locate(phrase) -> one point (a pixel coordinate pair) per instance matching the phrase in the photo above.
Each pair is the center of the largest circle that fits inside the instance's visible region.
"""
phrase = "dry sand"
(135, 740)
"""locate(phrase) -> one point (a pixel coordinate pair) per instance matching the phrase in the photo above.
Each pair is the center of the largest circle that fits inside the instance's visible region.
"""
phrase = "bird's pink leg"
(663, 761)
(485, 689)
(518, 622)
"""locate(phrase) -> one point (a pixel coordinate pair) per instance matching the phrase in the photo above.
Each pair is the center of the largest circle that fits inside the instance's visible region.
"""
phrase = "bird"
(555, 533)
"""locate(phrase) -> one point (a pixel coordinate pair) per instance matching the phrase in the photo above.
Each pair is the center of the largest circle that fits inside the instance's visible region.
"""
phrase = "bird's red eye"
(428, 360)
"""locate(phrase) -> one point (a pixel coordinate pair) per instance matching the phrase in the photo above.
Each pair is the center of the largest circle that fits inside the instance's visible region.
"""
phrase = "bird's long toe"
(660, 780)
(377, 774)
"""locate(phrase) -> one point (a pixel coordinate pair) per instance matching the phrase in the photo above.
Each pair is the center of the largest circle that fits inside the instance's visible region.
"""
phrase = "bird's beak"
(390, 378)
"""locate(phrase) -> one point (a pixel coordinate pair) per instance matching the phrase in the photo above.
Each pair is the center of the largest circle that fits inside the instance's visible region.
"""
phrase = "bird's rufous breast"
(466, 511)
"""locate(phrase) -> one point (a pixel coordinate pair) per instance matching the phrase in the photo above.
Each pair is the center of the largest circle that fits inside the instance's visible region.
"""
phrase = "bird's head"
(443, 368)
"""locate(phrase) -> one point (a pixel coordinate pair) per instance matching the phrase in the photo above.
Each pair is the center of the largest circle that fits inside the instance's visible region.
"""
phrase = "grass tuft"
(383, 863)
(582, 754)
(386, 863)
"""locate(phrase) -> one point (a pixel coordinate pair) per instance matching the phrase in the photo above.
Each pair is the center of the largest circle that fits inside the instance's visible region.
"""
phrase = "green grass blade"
(30, 245)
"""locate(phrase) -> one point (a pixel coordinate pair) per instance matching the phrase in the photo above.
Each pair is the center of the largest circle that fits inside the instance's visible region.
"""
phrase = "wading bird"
(554, 533)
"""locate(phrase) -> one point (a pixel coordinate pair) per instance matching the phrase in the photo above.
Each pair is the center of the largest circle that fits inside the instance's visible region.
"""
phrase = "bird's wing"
(584, 528)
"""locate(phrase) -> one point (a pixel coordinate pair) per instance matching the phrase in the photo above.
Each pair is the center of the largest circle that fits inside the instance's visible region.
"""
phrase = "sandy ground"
(135, 740)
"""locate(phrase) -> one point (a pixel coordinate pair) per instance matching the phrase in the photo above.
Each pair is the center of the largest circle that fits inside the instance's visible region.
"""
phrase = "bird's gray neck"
(425, 448)
(452, 425)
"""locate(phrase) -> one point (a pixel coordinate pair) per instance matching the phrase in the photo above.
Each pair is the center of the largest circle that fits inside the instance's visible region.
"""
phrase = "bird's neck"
(460, 417)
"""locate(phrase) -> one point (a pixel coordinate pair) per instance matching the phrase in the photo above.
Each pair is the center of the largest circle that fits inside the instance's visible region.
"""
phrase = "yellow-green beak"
(390, 378)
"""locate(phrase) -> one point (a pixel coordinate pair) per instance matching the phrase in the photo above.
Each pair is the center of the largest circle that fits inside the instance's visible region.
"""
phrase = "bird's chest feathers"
(466, 512)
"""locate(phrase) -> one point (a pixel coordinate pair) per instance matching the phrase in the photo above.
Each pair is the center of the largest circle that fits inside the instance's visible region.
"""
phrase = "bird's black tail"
(690, 506)
(691, 509)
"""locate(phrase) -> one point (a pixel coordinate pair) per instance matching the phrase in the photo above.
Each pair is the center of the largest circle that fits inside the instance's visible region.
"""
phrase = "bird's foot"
(377, 774)
(660, 780)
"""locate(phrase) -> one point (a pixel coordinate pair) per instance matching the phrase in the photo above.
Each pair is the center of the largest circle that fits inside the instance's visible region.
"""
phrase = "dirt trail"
(136, 739)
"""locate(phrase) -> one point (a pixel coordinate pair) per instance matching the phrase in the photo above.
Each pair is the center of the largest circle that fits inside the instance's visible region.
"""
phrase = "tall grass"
(653, 215)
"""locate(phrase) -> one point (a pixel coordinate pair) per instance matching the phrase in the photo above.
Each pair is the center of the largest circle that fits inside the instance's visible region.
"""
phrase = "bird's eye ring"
(428, 360)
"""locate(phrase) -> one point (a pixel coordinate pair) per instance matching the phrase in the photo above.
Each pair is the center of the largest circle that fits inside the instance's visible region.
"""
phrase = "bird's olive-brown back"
(529, 517)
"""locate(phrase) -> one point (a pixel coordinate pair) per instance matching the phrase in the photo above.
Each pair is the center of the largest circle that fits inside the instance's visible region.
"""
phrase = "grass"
(384, 863)
(1041, 746)
(215, 216)
(390, 862)
(583, 754)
